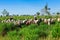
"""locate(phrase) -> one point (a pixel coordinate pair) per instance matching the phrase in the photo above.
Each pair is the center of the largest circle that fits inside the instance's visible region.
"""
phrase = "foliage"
(5, 13)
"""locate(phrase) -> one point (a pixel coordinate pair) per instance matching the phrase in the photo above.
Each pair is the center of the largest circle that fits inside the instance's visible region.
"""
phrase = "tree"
(58, 13)
(5, 13)
(38, 13)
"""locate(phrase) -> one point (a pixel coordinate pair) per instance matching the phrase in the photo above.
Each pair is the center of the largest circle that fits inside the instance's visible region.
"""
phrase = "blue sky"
(22, 7)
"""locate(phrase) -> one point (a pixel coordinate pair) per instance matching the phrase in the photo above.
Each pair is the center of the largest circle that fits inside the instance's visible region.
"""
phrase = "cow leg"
(48, 23)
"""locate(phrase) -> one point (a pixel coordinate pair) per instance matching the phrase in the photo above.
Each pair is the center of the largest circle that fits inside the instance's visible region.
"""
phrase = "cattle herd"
(31, 21)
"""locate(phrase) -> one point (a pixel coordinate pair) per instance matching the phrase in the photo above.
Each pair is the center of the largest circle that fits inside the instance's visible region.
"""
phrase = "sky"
(28, 7)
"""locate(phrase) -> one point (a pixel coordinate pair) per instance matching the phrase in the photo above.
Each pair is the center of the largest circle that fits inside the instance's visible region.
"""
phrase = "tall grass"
(31, 32)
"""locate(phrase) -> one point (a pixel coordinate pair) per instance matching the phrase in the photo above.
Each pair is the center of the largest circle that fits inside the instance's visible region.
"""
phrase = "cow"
(39, 21)
(51, 21)
(58, 19)
(45, 21)
(28, 22)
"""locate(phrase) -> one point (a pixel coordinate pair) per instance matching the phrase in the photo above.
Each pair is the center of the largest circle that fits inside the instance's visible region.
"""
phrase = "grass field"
(31, 32)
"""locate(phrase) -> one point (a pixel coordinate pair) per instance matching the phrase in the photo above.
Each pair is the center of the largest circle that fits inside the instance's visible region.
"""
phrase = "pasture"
(30, 32)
